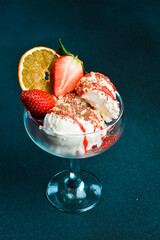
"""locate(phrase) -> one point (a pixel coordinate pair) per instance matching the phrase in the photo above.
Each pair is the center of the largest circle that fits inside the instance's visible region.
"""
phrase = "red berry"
(67, 71)
(38, 102)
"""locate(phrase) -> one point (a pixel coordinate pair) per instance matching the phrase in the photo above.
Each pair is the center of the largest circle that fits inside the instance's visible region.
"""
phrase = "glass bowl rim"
(108, 125)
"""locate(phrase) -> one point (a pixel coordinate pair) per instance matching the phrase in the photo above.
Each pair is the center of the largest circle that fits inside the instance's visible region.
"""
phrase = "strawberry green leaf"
(85, 72)
(62, 51)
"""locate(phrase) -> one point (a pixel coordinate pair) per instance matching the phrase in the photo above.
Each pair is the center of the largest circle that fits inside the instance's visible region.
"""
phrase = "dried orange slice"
(35, 70)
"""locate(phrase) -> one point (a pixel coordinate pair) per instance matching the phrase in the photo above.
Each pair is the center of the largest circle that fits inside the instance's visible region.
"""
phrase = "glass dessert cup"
(75, 190)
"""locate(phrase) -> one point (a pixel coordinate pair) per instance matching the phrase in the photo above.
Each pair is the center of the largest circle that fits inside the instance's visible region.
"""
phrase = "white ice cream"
(68, 136)
(103, 104)
(74, 136)
(99, 92)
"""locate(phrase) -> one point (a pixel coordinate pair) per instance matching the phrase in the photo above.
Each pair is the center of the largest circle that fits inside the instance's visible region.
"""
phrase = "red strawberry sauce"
(105, 90)
(85, 142)
(107, 142)
(99, 75)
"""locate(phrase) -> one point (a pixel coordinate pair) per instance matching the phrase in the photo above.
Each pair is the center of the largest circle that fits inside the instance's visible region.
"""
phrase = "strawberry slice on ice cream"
(67, 71)
(38, 102)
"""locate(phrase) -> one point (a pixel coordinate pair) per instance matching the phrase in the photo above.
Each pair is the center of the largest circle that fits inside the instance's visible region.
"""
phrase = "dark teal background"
(120, 39)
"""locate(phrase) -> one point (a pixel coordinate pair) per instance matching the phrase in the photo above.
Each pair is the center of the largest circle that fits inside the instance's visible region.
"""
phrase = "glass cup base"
(74, 195)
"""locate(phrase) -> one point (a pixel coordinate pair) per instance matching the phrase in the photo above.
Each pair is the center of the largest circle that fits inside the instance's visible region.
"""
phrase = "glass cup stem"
(74, 179)
(74, 168)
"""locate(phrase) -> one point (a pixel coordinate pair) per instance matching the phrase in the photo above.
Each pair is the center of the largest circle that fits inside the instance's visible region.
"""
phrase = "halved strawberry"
(38, 102)
(67, 71)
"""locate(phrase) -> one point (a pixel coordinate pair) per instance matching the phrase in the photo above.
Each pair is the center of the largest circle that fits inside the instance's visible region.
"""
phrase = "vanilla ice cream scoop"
(97, 90)
(72, 116)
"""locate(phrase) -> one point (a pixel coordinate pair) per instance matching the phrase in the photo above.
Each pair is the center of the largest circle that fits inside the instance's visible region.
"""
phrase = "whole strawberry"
(38, 102)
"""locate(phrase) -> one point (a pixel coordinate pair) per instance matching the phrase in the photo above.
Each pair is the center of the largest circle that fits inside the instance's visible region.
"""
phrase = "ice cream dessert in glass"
(82, 118)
